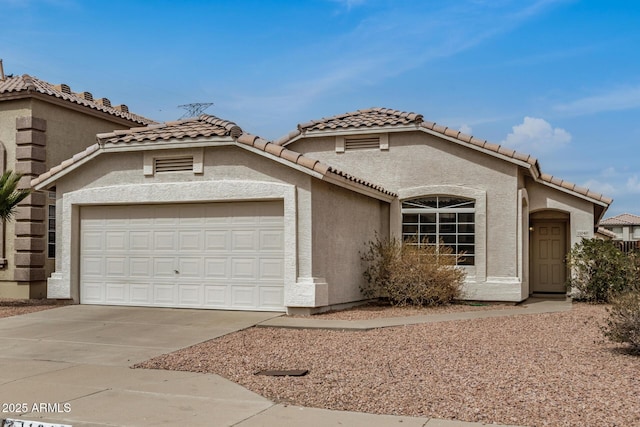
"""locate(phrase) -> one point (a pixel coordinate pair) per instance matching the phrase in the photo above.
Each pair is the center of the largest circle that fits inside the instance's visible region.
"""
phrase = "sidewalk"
(530, 306)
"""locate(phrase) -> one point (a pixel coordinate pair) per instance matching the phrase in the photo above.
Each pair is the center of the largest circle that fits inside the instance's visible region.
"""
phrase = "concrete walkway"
(531, 306)
(80, 355)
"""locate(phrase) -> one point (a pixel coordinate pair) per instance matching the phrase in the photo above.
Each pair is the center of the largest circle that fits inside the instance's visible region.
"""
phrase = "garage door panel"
(92, 240)
(164, 240)
(217, 268)
(190, 267)
(115, 293)
(244, 240)
(216, 255)
(243, 268)
(116, 267)
(217, 240)
(140, 267)
(271, 296)
(244, 296)
(93, 292)
(216, 296)
(271, 269)
(163, 294)
(190, 240)
(93, 266)
(190, 295)
(140, 240)
(271, 240)
(140, 293)
(116, 240)
(163, 267)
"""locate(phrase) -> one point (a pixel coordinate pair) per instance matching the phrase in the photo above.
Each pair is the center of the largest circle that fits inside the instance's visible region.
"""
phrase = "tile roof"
(372, 117)
(25, 84)
(197, 127)
(604, 232)
(204, 126)
(622, 219)
(390, 118)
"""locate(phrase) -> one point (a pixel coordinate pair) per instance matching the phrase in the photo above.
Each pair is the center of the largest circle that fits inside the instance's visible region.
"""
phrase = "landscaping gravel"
(532, 370)
(16, 307)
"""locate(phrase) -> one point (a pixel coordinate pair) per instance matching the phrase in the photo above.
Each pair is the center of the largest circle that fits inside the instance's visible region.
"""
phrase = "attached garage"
(199, 214)
(206, 255)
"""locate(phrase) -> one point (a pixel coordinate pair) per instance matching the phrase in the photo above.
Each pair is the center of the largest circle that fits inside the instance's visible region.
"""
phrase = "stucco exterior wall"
(343, 223)
(580, 211)
(418, 164)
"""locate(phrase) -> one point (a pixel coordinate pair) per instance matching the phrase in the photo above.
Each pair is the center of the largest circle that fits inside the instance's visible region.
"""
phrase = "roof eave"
(54, 177)
(576, 194)
(328, 177)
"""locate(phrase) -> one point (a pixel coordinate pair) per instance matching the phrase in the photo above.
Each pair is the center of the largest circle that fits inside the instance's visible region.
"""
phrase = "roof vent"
(173, 164)
(63, 88)
(87, 96)
(104, 102)
(122, 108)
(362, 143)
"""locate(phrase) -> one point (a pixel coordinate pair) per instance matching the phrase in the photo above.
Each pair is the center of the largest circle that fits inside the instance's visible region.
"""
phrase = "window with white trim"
(449, 219)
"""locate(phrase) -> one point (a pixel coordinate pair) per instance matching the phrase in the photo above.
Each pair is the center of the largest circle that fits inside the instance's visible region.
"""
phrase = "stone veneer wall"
(30, 225)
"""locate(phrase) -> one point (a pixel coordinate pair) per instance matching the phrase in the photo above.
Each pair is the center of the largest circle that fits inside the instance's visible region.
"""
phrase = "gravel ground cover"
(533, 370)
(16, 307)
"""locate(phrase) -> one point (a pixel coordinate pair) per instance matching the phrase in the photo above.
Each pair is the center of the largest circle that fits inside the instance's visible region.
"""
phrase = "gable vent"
(173, 164)
(362, 143)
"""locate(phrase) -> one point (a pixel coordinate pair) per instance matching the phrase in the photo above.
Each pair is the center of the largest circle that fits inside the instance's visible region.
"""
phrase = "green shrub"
(599, 271)
(408, 274)
(623, 324)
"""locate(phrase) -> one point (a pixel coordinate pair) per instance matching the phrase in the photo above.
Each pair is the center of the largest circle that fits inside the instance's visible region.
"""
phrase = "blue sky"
(559, 79)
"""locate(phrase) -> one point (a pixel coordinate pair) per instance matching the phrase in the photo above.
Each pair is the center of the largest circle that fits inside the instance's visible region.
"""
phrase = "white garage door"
(214, 255)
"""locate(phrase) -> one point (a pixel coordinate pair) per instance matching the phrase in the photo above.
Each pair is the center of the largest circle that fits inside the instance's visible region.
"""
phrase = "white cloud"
(465, 128)
(536, 135)
(633, 184)
(601, 187)
(624, 98)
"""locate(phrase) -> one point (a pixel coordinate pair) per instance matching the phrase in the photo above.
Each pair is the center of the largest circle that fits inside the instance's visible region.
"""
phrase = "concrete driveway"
(81, 355)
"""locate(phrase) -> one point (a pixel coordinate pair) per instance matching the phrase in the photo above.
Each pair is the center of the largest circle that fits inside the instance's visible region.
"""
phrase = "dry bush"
(410, 274)
(623, 324)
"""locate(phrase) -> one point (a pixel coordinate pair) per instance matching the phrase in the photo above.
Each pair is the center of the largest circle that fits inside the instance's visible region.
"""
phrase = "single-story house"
(199, 213)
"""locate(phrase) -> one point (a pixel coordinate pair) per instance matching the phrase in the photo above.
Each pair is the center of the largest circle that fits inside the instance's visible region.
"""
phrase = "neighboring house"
(198, 213)
(625, 227)
(40, 126)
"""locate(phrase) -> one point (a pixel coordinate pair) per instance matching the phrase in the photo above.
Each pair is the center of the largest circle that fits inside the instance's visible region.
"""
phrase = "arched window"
(450, 219)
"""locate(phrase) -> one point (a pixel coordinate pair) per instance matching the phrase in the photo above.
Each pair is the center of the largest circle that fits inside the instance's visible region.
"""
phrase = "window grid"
(441, 218)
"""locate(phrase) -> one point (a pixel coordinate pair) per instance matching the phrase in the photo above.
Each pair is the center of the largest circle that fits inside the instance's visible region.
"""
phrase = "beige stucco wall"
(419, 164)
(343, 223)
(580, 211)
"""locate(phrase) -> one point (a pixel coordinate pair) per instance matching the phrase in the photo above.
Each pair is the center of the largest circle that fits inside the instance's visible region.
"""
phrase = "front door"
(549, 247)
